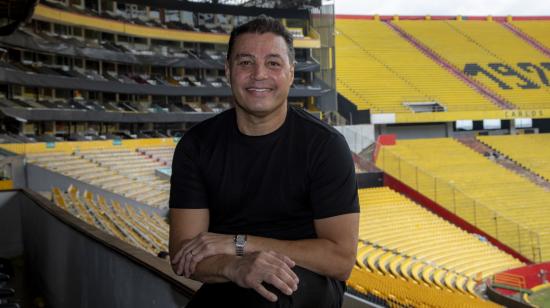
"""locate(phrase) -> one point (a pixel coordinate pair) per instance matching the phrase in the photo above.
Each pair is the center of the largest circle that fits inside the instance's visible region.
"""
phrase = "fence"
(516, 236)
(358, 137)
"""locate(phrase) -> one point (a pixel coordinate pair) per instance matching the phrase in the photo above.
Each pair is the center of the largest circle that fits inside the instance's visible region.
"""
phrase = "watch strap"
(240, 243)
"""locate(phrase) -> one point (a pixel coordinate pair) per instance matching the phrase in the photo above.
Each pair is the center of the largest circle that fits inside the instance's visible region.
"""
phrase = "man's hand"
(252, 269)
(202, 246)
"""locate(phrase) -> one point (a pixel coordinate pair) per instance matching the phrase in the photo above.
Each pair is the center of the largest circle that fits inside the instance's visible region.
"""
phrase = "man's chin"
(256, 112)
(259, 111)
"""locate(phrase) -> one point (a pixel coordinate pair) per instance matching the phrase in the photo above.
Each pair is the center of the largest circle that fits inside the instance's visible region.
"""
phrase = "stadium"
(447, 118)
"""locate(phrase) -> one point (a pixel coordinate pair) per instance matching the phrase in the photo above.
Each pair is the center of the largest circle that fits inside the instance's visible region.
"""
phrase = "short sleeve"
(187, 189)
(333, 188)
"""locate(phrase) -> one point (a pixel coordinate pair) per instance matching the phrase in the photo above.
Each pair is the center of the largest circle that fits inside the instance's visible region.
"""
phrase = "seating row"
(128, 173)
(379, 70)
(146, 231)
(498, 201)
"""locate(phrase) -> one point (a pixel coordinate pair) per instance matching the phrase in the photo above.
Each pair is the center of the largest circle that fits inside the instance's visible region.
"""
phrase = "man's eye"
(273, 63)
(245, 62)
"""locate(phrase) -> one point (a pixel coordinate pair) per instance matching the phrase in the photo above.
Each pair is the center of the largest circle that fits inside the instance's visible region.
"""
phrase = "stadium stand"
(163, 154)
(494, 199)
(372, 58)
(424, 249)
(101, 69)
(425, 69)
(405, 277)
(535, 29)
(398, 293)
(491, 55)
(146, 231)
(137, 68)
(530, 151)
(124, 172)
(128, 168)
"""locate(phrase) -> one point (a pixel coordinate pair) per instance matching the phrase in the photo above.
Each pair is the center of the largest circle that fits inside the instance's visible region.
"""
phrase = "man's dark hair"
(263, 24)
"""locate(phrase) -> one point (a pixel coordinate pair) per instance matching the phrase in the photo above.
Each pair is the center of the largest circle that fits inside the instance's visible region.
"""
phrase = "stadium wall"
(11, 243)
(542, 124)
(79, 266)
(415, 131)
(349, 111)
(16, 167)
(504, 300)
(369, 179)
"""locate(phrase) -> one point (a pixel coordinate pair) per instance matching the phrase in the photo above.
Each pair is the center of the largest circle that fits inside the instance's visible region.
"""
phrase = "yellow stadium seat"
(492, 198)
(491, 54)
(379, 70)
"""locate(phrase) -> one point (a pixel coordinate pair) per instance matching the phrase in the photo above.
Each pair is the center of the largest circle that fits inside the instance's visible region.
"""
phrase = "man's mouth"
(258, 90)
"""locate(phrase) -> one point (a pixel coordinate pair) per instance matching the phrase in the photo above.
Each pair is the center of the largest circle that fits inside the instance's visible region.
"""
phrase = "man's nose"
(260, 72)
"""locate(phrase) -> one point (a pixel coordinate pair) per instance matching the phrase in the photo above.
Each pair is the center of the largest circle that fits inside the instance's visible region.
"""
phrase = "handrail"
(159, 267)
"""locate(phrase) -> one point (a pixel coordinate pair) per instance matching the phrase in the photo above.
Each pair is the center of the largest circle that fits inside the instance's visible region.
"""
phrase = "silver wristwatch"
(240, 242)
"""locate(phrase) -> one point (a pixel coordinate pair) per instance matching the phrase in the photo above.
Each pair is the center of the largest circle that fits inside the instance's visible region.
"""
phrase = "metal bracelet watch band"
(240, 242)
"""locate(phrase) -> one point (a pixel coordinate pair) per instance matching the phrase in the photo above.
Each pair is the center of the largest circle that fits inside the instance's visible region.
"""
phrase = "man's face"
(260, 73)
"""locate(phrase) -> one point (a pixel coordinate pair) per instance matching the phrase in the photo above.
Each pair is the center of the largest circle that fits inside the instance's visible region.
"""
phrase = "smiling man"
(263, 199)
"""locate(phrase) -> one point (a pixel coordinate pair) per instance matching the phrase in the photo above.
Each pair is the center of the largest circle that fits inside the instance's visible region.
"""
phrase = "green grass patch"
(540, 298)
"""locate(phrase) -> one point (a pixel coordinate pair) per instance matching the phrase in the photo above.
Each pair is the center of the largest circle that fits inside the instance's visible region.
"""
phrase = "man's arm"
(248, 272)
(331, 254)
(185, 224)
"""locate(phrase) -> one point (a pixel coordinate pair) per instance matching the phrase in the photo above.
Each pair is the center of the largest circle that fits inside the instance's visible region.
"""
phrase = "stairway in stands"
(526, 38)
(496, 99)
(476, 145)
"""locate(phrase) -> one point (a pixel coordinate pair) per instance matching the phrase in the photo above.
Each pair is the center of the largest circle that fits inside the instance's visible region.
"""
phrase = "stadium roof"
(444, 7)
(265, 3)
(285, 9)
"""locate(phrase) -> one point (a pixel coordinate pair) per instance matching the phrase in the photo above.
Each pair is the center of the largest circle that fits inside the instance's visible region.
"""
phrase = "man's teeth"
(258, 89)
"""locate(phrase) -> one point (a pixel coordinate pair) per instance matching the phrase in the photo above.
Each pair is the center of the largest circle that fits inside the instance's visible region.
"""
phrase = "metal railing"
(518, 237)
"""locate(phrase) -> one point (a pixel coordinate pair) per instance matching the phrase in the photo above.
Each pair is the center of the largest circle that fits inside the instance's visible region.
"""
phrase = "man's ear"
(292, 67)
(227, 71)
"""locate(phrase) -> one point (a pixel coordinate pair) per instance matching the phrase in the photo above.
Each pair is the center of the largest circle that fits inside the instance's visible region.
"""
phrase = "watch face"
(241, 240)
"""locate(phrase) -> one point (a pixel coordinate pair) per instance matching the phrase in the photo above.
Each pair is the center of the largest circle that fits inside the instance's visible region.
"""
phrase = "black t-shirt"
(273, 185)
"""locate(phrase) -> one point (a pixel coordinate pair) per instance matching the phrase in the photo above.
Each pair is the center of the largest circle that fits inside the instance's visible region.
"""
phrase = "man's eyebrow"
(243, 55)
(276, 55)
(247, 55)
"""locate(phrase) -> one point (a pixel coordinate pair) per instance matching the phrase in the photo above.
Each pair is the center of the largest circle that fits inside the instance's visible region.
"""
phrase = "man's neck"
(252, 125)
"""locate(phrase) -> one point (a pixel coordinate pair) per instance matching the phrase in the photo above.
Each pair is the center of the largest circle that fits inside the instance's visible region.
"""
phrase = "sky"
(444, 7)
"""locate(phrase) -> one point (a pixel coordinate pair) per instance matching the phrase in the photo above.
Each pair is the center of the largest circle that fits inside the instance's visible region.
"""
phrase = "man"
(263, 200)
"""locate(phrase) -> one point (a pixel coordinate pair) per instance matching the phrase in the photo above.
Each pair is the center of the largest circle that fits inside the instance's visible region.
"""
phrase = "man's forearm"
(331, 254)
(319, 255)
(212, 269)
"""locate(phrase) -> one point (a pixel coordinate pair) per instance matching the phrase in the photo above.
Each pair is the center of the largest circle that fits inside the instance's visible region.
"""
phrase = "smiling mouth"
(259, 90)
